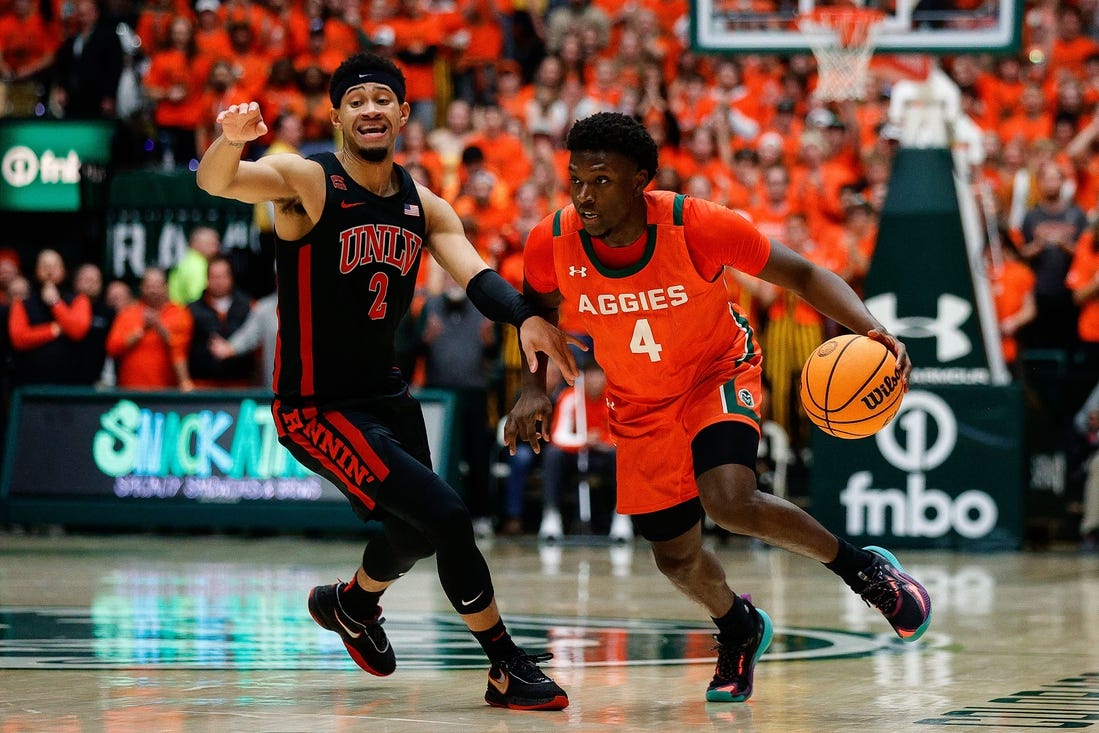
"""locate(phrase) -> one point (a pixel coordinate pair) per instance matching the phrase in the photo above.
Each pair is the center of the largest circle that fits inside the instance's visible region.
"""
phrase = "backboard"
(911, 26)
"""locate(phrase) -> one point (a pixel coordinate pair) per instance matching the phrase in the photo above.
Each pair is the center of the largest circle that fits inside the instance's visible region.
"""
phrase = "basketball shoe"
(518, 683)
(366, 641)
(901, 599)
(736, 663)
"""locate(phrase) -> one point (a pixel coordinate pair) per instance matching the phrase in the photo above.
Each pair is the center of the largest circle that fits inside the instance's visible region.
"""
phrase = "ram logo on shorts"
(745, 398)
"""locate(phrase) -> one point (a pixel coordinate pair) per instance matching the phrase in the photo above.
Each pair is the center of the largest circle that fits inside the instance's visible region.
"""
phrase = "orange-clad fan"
(284, 32)
(154, 22)
(1032, 121)
(281, 94)
(778, 202)
(418, 36)
(1083, 281)
(1012, 286)
(220, 92)
(1002, 90)
(250, 66)
(317, 52)
(45, 325)
(211, 36)
(27, 42)
(504, 152)
(149, 340)
(1071, 46)
(484, 217)
(318, 107)
(706, 153)
(174, 82)
(479, 43)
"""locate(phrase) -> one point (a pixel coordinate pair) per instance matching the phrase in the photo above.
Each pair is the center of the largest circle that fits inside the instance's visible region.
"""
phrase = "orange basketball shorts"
(653, 442)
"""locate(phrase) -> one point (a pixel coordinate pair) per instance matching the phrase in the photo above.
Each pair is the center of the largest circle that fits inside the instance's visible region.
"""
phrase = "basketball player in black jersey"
(350, 226)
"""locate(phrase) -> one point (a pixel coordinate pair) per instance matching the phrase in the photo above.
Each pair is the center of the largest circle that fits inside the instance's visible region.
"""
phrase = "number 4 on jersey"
(643, 342)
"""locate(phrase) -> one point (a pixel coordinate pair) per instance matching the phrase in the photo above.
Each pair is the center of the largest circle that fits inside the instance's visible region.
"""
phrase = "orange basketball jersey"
(659, 327)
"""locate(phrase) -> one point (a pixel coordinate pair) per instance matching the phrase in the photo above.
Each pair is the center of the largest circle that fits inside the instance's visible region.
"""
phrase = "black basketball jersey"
(343, 289)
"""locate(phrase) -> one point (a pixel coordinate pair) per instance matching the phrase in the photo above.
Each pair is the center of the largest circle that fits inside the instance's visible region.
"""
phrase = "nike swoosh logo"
(472, 600)
(352, 634)
(349, 204)
(500, 684)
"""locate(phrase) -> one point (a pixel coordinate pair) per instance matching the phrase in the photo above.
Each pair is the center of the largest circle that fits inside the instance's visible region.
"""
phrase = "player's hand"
(242, 123)
(539, 335)
(891, 342)
(532, 407)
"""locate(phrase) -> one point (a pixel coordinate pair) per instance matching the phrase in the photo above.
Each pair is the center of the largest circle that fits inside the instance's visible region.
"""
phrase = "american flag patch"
(411, 210)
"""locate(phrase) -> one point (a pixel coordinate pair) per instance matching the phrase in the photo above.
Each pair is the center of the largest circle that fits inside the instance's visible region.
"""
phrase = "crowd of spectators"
(493, 87)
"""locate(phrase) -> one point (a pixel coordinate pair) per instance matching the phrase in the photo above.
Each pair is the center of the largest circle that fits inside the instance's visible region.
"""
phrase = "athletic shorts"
(359, 447)
(653, 444)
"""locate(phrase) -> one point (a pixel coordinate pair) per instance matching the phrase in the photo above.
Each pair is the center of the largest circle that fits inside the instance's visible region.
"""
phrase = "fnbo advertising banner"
(943, 474)
(42, 163)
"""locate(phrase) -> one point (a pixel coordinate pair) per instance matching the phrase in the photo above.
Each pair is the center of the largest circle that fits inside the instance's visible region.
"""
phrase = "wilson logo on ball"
(850, 386)
(881, 393)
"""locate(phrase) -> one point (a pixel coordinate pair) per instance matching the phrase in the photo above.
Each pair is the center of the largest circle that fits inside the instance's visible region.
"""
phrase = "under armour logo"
(950, 341)
(581, 271)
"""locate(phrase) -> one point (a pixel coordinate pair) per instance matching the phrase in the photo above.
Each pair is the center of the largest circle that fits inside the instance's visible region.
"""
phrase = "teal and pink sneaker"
(901, 599)
(736, 663)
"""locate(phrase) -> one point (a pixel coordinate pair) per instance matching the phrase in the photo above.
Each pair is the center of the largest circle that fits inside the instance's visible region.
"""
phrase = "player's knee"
(675, 562)
(730, 497)
(448, 522)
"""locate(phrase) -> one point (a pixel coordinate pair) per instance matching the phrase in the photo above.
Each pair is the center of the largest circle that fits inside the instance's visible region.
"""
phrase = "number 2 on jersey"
(379, 284)
(643, 341)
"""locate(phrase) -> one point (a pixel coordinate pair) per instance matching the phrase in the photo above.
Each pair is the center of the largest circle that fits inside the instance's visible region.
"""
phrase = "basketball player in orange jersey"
(350, 226)
(643, 270)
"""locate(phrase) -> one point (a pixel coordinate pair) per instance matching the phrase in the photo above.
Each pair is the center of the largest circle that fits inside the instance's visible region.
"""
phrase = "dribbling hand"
(528, 420)
(242, 123)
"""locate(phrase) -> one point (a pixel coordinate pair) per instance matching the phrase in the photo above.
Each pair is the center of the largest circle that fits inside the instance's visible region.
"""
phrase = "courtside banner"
(945, 473)
(150, 215)
(44, 164)
(115, 457)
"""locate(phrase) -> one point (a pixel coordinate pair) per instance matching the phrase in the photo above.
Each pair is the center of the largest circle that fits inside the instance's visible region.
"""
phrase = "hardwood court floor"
(154, 634)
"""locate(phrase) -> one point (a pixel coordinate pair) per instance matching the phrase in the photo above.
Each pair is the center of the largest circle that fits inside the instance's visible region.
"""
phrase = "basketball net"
(843, 41)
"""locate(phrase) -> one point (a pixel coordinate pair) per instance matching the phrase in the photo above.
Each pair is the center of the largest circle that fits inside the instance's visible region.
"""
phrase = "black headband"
(354, 79)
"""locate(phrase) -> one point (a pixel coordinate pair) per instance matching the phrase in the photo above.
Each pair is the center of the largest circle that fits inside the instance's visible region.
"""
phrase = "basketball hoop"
(842, 40)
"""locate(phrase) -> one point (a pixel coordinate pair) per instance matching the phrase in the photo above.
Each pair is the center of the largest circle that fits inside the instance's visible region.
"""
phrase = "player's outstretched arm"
(490, 293)
(222, 173)
(830, 295)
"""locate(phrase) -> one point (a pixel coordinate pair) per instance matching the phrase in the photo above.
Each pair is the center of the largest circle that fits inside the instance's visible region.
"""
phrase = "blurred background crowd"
(493, 86)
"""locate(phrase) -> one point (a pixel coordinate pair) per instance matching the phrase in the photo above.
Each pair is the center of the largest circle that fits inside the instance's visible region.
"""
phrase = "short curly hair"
(613, 132)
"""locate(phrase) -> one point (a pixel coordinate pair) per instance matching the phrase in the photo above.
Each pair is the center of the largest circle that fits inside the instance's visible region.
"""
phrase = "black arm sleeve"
(497, 300)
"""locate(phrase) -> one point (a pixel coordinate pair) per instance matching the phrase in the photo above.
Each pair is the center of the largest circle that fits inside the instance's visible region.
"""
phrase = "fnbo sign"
(41, 162)
(944, 473)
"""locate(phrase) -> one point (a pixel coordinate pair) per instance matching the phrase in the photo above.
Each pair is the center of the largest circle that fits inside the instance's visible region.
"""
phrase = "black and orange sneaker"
(736, 663)
(517, 683)
(366, 641)
(901, 599)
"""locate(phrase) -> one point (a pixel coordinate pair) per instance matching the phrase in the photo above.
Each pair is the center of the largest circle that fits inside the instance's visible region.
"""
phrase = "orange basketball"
(850, 387)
